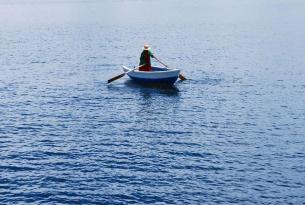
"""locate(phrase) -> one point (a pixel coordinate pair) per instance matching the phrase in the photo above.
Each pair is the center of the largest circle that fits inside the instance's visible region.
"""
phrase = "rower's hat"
(146, 47)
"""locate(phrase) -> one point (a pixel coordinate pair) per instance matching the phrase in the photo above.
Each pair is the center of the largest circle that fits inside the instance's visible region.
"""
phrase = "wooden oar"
(121, 75)
(180, 75)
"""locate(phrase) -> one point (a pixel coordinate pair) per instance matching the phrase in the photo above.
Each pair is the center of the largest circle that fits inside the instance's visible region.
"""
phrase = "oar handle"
(160, 62)
(134, 68)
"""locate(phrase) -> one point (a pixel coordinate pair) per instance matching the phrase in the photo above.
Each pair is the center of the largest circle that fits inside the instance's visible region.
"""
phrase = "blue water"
(233, 133)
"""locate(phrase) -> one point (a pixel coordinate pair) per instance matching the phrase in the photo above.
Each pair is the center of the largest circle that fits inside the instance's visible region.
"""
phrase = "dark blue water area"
(233, 133)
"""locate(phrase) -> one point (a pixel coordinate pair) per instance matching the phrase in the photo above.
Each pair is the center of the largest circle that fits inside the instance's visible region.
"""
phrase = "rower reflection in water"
(145, 58)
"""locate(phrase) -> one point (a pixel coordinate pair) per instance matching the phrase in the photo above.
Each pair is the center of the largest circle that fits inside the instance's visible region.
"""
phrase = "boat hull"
(158, 75)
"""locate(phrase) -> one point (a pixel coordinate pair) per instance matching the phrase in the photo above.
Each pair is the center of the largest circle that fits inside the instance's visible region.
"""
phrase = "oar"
(121, 75)
(180, 75)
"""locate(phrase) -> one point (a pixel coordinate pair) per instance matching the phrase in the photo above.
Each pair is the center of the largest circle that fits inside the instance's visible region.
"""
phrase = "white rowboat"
(158, 75)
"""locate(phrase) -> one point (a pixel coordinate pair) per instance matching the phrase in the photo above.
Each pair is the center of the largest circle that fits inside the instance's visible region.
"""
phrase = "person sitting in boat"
(145, 59)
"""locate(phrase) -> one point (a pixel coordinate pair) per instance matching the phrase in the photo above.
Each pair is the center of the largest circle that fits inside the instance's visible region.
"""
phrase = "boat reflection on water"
(149, 97)
(170, 90)
(155, 99)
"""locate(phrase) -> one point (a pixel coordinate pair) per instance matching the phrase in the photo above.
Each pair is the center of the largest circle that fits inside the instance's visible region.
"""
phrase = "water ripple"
(233, 133)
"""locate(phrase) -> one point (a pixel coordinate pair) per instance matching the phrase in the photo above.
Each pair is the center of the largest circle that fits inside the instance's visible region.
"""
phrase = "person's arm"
(151, 54)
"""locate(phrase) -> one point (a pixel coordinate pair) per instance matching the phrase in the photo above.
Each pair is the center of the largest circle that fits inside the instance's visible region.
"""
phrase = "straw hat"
(146, 47)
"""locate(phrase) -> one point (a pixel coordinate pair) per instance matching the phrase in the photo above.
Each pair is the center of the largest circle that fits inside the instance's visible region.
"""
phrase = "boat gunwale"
(168, 70)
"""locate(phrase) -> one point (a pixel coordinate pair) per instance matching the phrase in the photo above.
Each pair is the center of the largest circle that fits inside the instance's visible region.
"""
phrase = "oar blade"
(182, 77)
(115, 78)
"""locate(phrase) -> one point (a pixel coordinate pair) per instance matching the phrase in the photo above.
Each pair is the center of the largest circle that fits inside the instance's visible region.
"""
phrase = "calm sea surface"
(234, 133)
